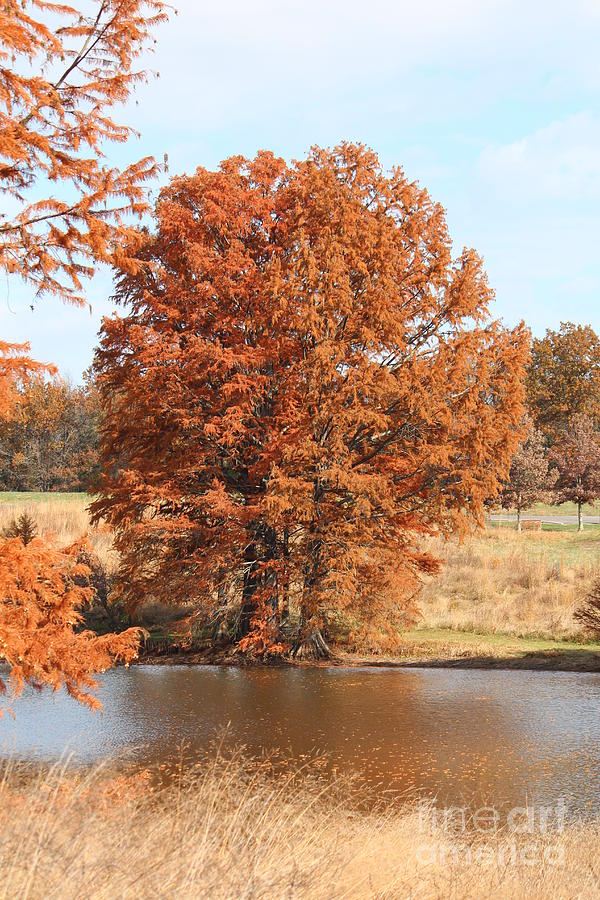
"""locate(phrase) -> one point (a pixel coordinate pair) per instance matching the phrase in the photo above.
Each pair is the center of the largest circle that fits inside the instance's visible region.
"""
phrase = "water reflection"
(500, 737)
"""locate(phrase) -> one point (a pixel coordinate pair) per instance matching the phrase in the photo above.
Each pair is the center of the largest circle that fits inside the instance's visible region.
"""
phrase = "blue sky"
(493, 106)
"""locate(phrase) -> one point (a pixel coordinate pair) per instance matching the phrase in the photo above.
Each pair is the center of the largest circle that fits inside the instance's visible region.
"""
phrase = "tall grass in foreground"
(229, 831)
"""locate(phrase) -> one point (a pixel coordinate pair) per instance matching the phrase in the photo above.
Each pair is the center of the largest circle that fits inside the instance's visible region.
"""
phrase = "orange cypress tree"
(40, 598)
(60, 72)
(41, 640)
(306, 384)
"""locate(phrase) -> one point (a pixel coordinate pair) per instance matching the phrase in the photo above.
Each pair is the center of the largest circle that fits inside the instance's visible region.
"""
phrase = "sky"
(492, 105)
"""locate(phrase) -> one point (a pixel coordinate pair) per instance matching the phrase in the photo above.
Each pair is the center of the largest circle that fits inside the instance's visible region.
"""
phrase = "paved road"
(556, 520)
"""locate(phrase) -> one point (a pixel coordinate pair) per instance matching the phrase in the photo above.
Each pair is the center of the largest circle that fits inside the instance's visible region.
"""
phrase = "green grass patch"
(498, 640)
(44, 496)
(560, 509)
(593, 527)
(468, 649)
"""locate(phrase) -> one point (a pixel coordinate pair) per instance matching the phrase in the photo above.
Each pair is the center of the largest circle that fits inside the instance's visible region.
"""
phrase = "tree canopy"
(576, 456)
(563, 379)
(50, 441)
(530, 479)
(303, 383)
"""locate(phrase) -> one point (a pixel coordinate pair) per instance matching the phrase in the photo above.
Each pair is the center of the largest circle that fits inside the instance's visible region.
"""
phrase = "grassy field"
(231, 830)
(496, 582)
(523, 585)
(563, 509)
(61, 517)
(56, 498)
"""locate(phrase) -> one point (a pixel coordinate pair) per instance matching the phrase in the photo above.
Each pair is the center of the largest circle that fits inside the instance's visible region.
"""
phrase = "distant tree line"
(559, 458)
(50, 442)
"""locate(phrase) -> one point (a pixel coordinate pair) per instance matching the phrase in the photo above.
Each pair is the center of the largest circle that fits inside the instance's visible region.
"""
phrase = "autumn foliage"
(576, 456)
(40, 613)
(304, 383)
(563, 378)
(61, 71)
(64, 210)
(531, 478)
(16, 367)
(49, 443)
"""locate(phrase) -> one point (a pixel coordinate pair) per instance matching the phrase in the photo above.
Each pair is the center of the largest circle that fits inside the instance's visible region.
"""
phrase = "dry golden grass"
(500, 581)
(62, 516)
(229, 831)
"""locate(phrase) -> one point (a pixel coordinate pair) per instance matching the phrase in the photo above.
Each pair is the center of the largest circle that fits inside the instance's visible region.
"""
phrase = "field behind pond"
(495, 583)
(525, 584)
(62, 516)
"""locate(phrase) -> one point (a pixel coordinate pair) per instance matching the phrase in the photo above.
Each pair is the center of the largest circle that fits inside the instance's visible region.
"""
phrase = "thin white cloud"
(560, 161)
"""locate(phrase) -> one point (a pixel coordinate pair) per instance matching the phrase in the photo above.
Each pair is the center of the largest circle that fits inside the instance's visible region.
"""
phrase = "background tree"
(50, 442)
(576, 456)
(61, 71)
(530, 479)
(305, 384)
(24, 527)
(563, 379)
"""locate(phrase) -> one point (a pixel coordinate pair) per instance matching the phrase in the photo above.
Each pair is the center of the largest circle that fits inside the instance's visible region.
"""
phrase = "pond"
(497, 737)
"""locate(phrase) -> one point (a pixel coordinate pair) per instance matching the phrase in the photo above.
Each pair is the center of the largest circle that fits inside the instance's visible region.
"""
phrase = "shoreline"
(432, 648)
(567, 660)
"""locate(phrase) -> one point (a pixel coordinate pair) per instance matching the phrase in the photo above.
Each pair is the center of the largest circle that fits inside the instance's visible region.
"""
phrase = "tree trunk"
(284, 608)
(249, 589)
(519, 518)
(284, 605)
(219, 630)
(262, 549)
(270, 580)
(579, 517)
(311, 645)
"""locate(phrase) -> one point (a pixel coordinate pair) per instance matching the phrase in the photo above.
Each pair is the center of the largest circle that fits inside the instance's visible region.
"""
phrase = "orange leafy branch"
(41, 599)
(60, 72)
